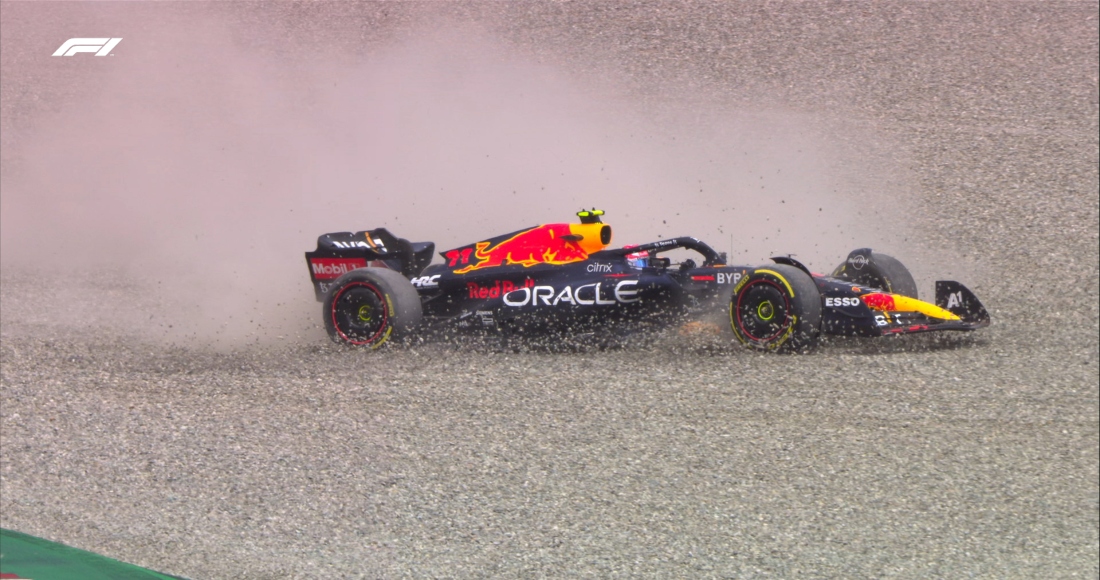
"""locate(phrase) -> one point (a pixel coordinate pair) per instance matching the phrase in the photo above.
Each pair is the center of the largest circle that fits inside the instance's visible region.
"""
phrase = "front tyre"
(369, 306)
(882, 272)
(776, 308)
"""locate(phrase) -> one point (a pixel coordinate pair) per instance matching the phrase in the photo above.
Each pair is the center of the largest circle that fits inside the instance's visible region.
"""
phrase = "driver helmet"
(637, 259)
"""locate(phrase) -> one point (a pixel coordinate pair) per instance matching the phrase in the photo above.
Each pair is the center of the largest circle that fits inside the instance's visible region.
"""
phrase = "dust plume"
(175, 194)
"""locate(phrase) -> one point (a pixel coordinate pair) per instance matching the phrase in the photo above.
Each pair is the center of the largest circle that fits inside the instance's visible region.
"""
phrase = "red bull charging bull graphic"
(546, 244)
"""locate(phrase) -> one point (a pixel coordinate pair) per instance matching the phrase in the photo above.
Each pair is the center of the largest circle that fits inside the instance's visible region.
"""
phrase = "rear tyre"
(883, 272)
(776, 308)
(369, 306)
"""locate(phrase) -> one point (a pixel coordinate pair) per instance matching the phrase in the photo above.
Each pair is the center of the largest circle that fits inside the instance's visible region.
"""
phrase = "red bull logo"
(497, 289)
(545, 244)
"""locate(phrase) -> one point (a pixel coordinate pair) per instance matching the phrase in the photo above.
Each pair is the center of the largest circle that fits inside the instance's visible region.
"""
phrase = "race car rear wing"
(341, 252)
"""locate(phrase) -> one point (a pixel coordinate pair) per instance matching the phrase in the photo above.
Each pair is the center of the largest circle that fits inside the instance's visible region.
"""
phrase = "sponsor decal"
(729, 278)
(100, 46)
(546, 244)
(426, 281)
(374, 244)
(486, 317)
(333, 268)
(594, 294)
(740, 284)
(599, 268)
(721, 278)
(838, 302)
(880, 301)
(954, 300)
(366, 242)
(496, 290)
(858, 261)
(351, 245)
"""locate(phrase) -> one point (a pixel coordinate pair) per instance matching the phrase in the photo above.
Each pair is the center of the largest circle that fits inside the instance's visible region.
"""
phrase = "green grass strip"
(38, 559)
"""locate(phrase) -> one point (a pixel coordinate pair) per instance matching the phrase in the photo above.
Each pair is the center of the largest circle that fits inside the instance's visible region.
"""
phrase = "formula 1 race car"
(563, 277)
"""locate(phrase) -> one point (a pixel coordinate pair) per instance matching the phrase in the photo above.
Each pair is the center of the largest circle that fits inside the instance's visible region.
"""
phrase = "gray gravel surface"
(960, 456)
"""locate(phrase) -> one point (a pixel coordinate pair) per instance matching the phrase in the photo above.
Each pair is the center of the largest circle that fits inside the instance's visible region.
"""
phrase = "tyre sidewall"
(896, 276)
(883, 272)
(802, 309)
(401, 302)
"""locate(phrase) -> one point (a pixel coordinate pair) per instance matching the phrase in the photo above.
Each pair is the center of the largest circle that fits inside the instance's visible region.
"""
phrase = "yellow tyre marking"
(786, 335)
(781, 279)
(741, 284)
(385, 337)
(733, 325)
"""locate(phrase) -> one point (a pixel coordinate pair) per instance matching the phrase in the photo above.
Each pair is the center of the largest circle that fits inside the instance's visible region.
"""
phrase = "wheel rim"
(765, 311)
(762, 311)
(359, 313)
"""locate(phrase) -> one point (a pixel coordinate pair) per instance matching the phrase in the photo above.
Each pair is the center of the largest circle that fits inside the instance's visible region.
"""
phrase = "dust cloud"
(175, 194)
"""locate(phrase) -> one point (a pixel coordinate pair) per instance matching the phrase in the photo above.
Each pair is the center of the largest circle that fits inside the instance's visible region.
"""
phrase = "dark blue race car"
(564, 277)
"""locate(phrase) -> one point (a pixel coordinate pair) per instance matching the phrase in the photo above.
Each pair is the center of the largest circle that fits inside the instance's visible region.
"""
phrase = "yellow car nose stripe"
(906, 304)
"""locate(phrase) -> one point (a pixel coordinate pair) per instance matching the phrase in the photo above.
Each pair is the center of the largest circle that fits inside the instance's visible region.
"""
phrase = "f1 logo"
(100, 46)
